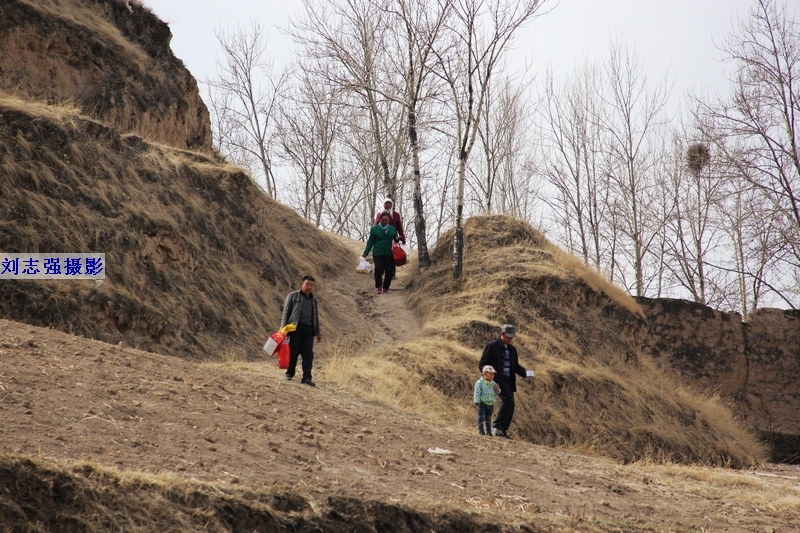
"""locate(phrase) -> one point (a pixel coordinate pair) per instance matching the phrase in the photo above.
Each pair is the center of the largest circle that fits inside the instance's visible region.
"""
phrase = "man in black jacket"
(503, 356)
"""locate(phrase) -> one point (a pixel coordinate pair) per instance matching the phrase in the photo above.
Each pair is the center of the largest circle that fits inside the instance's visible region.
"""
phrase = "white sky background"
(678, 36)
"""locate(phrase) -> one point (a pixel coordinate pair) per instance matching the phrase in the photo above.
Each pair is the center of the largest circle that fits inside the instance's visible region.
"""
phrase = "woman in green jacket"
(381, 237)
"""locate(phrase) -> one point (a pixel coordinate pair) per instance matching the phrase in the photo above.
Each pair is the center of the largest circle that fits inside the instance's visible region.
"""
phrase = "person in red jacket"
(395, 221)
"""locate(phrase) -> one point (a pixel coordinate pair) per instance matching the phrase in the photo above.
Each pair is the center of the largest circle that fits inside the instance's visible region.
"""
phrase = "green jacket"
(485, 391)
(381, 240)
(291, 310)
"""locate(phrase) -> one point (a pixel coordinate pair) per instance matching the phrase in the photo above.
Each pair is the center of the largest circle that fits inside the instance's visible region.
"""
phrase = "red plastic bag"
(271, 347)
(284, 353)
(399, 255)
(274, 342)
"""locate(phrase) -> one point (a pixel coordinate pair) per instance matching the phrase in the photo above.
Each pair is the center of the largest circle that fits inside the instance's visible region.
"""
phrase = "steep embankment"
(110, 58)
(595, 390)
(198, 259)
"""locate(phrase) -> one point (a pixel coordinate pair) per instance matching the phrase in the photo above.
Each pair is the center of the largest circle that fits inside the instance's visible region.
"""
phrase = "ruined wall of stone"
(772, 395)
(754, 366)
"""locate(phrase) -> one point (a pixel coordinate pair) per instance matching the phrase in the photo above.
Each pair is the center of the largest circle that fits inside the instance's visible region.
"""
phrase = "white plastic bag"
(363, 266)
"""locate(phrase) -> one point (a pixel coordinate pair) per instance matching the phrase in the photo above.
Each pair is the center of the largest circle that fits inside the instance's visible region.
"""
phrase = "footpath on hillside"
(384, 319)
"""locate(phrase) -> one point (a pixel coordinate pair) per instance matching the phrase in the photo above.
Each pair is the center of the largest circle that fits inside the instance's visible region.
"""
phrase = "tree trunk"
(419, 215)
(458, 238)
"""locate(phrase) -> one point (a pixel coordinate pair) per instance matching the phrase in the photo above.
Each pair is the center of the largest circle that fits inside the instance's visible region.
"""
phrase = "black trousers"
(506, 412)
(384, 264)
(301, 343)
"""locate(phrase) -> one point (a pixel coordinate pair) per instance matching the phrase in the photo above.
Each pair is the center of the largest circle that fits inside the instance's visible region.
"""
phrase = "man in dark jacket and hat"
(502, 355)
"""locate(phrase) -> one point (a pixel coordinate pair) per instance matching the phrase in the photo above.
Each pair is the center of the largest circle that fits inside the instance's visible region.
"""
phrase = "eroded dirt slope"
(112, 58)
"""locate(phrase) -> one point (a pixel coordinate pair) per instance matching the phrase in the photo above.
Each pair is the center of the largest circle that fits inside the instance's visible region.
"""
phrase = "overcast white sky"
(678, 35)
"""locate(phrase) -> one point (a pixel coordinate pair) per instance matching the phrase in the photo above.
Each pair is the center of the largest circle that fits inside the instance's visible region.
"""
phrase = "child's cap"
(489, 368)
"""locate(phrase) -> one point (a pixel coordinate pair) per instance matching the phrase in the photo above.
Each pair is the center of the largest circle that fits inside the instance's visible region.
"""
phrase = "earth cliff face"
(111, 59)
(772, 397)
(195, 261)
(752, 364)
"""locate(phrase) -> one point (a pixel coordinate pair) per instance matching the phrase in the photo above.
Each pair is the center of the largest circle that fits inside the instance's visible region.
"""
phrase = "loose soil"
(65, 398)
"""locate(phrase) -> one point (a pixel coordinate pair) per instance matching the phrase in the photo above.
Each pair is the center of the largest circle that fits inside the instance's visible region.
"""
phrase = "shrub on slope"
(198, 259)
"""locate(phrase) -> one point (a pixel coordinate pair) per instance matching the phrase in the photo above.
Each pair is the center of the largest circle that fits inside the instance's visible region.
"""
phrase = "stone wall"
(772, 395)
(753, 365)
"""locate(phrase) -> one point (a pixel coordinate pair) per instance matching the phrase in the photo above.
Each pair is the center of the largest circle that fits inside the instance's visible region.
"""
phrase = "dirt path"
(378, 318)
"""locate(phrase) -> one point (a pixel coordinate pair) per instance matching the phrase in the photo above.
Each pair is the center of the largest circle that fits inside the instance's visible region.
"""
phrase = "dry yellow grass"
(595, 392)
(406, 377)
(77, 13)
(740, 489)
(64, 112)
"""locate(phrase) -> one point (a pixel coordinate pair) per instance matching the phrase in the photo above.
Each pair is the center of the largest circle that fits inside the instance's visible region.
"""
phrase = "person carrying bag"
(381, 237)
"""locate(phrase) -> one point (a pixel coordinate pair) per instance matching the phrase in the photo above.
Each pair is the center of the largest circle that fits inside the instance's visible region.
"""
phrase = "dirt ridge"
(109, 57)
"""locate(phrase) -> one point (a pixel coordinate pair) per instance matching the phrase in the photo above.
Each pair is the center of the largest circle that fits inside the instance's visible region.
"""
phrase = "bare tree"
(244, 96)
(693, 220)
(349, 38)
(422, 23)
(512, 154)
(480, 36)
(763, 115)
(357, 153)
(761, 259)
(754, 239)
(633, 123)
(503, 132)
(575, 163)
(309, 124)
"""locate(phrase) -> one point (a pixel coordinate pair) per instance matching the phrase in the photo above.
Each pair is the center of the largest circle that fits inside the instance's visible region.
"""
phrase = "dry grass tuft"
(65, 111)
(411, 377)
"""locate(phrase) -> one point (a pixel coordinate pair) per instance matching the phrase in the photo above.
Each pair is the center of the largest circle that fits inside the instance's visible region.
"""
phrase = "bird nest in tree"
(697, 157)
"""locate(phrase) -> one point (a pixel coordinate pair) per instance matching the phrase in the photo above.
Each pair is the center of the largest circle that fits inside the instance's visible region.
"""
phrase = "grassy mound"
(595, 390)
(195, 258)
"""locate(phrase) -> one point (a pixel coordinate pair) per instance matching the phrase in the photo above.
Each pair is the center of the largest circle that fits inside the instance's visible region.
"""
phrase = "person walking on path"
(502, 355)
(381, 237)
(301, 310)
(394, 219)
(485, 389)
